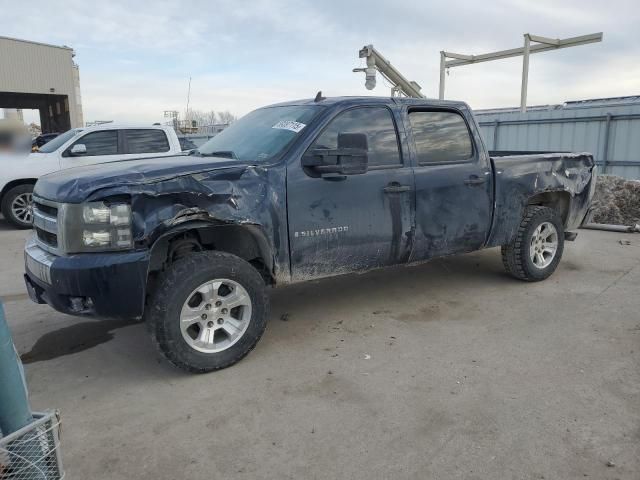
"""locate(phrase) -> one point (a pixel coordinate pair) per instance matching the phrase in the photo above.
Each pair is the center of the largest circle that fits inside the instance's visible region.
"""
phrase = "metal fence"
(608, 128)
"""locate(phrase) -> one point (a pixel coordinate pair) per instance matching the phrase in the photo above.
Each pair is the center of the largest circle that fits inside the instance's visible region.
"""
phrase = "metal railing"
(33, 452)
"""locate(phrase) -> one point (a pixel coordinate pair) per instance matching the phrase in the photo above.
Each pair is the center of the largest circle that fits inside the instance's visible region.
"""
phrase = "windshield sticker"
(289, 125)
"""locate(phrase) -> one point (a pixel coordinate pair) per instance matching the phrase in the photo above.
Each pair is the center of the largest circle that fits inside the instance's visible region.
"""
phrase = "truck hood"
(76, 185)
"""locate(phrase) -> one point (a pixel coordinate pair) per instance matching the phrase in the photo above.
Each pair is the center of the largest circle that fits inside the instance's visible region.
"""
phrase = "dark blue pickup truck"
(291, 192)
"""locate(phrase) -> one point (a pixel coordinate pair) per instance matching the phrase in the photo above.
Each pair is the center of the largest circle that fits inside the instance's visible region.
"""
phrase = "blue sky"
(136, 57)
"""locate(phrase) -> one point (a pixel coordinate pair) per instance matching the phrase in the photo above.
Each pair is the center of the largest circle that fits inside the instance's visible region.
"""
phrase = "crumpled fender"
(519, 178)
(246, 195)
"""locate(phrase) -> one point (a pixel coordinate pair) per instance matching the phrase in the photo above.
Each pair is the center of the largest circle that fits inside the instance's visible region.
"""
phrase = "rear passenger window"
(99, 143)
(146, 141)
(440, 137)
(376, 122)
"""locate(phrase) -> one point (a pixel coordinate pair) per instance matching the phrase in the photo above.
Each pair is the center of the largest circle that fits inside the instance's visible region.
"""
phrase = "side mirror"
(79, 149)
(350, 158)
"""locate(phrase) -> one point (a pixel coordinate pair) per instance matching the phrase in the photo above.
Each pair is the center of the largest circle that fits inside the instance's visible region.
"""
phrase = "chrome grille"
(47, 237)
(45, 223)
(49, 210)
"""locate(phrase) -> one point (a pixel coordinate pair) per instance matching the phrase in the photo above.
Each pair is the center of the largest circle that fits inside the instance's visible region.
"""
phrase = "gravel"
(616, 201)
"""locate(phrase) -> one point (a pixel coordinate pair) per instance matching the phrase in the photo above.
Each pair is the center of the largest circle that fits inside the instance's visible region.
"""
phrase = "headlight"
(97, 226)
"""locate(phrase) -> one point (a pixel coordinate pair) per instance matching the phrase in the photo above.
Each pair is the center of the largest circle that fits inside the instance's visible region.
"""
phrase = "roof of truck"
(124, 126)
(371, 99)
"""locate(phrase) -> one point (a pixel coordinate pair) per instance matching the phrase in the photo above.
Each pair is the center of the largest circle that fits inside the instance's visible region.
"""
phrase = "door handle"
(475, 180)
(395, 188)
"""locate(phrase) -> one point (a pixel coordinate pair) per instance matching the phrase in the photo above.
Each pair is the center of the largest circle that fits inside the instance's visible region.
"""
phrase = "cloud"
(136, 58)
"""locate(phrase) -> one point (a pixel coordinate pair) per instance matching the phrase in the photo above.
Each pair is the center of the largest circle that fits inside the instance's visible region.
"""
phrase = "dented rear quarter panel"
(518, 178)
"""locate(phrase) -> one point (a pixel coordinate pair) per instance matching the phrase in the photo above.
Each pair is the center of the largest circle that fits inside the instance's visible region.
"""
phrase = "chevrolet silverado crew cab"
(288, 193)
(76, 147)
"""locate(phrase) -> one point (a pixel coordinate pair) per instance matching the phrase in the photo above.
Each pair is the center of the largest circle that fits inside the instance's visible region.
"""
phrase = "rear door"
(453, 183)
(362, 221)
(145, 142)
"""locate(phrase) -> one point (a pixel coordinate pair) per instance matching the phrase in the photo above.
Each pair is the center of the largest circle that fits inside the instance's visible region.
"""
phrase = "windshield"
(60, 140)
(260, 135)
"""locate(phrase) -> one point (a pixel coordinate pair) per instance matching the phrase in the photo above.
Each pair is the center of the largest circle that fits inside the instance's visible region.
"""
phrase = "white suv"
(74, 148)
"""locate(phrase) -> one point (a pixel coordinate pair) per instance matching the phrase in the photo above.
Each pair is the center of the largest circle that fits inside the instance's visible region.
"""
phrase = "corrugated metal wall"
(608, 128)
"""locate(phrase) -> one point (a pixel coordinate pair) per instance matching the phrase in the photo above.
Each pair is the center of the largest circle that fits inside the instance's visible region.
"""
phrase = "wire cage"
(33, 452)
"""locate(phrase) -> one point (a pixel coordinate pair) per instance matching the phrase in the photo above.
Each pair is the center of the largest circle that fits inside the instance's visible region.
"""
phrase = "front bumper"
(105, 285)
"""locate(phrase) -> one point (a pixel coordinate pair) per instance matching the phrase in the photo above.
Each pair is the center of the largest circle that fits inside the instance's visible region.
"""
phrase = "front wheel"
(537, 247)
(17, 205)
(208, 312)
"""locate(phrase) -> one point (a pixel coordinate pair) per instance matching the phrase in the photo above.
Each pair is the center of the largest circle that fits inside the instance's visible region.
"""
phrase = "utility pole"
(541, 44)
(186, 113)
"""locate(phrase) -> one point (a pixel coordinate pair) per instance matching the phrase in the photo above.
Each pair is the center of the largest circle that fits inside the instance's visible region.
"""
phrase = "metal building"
(42, 77)
(609, 128)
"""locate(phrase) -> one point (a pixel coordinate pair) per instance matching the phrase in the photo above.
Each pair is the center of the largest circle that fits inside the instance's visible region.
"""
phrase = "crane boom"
(375, 61)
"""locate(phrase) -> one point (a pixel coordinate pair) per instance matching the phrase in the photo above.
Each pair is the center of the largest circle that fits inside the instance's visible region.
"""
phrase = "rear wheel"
(17, 205)
(208, 312)
(537, 248)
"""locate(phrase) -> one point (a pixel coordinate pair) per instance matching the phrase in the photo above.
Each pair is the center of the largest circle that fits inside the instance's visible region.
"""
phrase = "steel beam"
(525, 72)
(541, 44)
(605, 148)
(443, 59)
(516, 52)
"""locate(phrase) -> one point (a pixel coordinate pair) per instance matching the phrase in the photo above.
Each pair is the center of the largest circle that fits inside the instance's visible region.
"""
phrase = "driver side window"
(376, 123)
(99, 143)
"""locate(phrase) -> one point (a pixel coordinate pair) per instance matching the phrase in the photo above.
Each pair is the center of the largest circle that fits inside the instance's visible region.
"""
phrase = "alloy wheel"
(215, 315)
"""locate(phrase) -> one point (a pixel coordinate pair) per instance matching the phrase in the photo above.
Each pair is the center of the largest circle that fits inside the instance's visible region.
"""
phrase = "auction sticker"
(289, 125)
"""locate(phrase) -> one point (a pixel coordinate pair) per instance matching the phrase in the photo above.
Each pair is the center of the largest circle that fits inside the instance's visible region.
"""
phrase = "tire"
(165, 313)
(517, 256)
(12, 200)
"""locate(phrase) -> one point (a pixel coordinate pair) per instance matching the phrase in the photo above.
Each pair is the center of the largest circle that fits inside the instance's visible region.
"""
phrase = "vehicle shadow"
(73, 339)
(4, 225)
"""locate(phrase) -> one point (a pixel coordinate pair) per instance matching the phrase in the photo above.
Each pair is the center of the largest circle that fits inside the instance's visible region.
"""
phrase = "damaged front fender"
(170, 196)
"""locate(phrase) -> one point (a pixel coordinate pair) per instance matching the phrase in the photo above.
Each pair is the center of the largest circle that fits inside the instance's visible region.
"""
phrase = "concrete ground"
(446, 370)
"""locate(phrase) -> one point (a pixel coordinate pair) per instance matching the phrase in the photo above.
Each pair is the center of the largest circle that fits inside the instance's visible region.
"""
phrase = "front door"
(362, 221)
(101, 146)
(453, 185)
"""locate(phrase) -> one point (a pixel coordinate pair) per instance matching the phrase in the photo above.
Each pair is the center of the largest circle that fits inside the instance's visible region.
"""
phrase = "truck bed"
(537, 177)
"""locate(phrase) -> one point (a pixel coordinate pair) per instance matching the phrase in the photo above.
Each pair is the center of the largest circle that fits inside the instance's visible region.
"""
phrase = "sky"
(136, 58)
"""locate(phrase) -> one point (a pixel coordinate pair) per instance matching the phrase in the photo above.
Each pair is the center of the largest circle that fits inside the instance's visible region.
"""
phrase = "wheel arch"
(14, 183)
(247, 241)
(558, 200)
